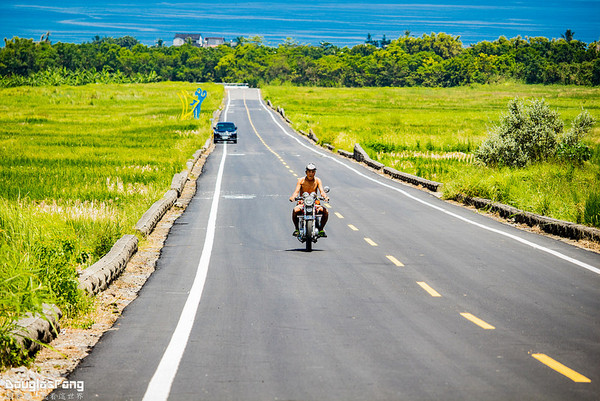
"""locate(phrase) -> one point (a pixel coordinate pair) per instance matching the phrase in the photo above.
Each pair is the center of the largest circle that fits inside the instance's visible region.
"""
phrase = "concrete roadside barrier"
(179, 180)
(549, 225)
(98, 276)
(345, 153)
(33, 330)
(148, 221)
(361, 156)
(413, 179)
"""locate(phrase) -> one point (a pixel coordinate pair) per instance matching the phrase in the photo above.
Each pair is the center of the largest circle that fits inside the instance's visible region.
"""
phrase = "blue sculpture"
(197, 103)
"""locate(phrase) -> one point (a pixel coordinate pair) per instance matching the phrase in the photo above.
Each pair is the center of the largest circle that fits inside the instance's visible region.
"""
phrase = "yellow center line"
(395, 261)
(370, 241)
(560, 368)
(339, 215)
(352, 227)
(430, 290)
(477, 321)
(264, 143)
(258, 135)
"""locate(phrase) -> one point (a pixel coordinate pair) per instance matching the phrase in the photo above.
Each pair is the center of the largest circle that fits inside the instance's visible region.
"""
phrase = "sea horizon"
(310, 22)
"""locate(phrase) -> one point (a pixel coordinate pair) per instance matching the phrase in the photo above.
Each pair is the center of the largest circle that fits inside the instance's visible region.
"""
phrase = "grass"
(433, 132)
(78, 168)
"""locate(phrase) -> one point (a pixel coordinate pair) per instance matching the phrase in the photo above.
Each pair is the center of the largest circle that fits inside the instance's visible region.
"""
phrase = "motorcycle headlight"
(309, 201)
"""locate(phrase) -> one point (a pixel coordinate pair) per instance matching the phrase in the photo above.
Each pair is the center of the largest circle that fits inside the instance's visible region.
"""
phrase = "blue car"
(225, 132)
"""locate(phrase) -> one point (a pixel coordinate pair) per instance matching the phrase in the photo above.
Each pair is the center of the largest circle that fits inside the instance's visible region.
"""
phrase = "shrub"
(533, 133)
(571, 149)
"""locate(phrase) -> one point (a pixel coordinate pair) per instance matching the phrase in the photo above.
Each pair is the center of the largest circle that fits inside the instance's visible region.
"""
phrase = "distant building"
(197, 40)
(213, 42)
(181, 38)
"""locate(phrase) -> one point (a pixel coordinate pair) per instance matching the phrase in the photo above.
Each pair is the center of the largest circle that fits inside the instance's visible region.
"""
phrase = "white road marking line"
(339, 215)
(353, 228)
(160, 385)
(431, 205)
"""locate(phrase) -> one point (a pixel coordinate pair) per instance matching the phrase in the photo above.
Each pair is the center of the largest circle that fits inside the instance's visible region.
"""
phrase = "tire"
(309, 234)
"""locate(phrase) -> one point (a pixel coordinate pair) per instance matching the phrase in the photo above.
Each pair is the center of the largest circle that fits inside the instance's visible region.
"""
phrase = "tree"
(568, 35)
(370, 40)
(383, 43)
(240, 40)
(127, 41)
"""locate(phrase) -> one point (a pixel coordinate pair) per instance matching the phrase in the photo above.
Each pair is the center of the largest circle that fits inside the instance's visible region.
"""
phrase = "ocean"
(342, 23)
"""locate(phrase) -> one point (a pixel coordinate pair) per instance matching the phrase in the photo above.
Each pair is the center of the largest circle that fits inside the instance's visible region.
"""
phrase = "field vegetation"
(435, 132)
(78, 167)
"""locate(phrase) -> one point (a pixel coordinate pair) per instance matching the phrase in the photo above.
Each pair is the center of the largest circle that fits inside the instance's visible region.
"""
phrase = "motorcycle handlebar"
(299, 198)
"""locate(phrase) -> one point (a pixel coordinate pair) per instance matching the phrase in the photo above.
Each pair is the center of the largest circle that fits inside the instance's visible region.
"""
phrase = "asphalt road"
(409, 298)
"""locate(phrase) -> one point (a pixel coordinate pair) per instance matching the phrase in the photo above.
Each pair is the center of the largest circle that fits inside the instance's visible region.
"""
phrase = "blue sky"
(339, 22)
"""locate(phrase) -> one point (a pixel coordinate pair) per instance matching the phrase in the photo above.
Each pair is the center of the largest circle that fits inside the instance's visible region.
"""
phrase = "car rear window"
(227, 126)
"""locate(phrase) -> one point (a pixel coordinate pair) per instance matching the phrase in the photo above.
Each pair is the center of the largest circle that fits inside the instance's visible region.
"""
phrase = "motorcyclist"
(310, 183)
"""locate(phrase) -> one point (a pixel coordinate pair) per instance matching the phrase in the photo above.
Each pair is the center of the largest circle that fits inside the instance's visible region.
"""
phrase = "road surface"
(409, 298)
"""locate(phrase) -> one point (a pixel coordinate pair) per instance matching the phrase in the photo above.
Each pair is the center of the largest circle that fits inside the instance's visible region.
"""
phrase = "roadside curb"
(34, 329)
(549, 225)
(148, 221)
(98, 276)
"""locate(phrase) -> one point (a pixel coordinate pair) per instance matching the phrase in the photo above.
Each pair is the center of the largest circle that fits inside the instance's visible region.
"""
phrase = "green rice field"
(433, 133)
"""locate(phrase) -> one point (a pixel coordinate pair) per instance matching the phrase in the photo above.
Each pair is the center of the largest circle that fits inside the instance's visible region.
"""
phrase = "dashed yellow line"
(562, 369)
(264, 143)
(353, 228)
(339, 215)
(477, 321)
(258, 135)
(395, 261)
(370, 241)
(429, 290)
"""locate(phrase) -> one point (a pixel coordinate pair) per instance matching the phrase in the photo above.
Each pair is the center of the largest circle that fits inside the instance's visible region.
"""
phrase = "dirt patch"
(52, 364)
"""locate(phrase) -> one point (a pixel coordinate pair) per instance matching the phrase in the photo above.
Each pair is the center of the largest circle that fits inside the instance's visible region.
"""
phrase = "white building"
(197, 40)
(213, 42)
(181, 38)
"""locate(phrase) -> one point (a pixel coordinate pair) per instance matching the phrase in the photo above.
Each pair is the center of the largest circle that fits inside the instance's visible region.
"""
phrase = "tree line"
(435, 59)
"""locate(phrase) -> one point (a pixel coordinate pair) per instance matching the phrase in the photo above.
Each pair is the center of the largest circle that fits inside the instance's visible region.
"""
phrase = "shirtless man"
(310, 184)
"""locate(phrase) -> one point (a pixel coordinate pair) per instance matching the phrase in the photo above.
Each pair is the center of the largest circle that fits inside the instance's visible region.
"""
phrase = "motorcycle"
(309, 221)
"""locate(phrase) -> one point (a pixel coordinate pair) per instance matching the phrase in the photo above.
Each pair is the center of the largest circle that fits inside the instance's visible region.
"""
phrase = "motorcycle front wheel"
(309, 235)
